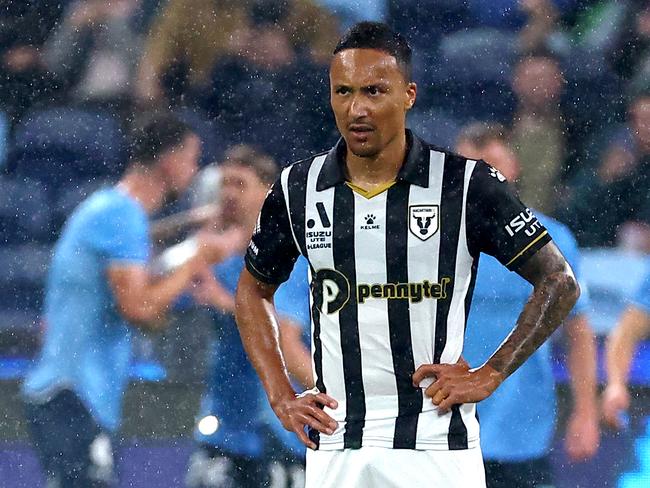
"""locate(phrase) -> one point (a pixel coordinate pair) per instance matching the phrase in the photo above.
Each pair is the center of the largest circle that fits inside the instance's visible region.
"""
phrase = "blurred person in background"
(272, 93)
(189, 37)
(99, 287)
(24, 78)
(234, 431)
(630, 53)
(622, 342)
(94, 50)
(538, 129)
(516, 439)
(610, 205)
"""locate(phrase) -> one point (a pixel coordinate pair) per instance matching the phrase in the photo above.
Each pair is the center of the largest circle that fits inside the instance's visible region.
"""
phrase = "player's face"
(370, 98)
(242, 192)
(181, 164)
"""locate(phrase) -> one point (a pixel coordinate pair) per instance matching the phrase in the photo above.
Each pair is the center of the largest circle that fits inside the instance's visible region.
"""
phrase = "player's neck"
(144, 186)
(378, 170)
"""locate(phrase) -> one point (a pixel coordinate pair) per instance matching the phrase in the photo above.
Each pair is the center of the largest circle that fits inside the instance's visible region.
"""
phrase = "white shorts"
(381, 467)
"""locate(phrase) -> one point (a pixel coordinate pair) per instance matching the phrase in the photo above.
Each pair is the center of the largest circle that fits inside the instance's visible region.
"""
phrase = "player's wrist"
(616, 385)
(281, 396)
(492, 375)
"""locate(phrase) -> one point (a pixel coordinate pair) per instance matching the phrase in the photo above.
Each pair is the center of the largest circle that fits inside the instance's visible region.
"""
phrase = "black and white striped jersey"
(392, 275)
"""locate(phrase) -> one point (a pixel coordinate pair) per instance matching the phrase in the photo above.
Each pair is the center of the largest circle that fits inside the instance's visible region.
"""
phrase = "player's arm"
(296, 354)
(633, 326)
(582, 433)
(143, 299)
(173, 225)
(259, 330)
(500, 225)
(555, 292)
(269, 261)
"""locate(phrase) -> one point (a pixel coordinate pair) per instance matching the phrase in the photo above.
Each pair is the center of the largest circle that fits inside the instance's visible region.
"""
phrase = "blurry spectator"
(538, 130)
(632, 328)
(541, 30)
(272, 95)
(516, 441)
(230, 432)
(94, 50)
(24, 79)
(630, 56)
(617, 191)
(99, 286)
(190, 37)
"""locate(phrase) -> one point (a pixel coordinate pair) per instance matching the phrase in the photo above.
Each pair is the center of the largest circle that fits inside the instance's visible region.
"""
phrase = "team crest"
(424, 220)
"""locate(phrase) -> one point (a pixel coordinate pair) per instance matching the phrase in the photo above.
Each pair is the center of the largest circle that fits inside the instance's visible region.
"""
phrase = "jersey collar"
(414, 170)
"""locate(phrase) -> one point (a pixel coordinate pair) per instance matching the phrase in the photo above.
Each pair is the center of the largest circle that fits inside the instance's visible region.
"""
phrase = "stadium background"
(75, 74)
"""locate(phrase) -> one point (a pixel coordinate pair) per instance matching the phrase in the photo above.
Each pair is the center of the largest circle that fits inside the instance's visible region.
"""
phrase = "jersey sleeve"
(498, 223)
(642, 296)
(122, 235)
(272, 251)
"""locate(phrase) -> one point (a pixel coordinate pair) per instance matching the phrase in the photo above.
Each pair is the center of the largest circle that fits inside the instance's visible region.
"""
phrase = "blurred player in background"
(632, 328)
(99, 287)
(234, 431)
(518, 419)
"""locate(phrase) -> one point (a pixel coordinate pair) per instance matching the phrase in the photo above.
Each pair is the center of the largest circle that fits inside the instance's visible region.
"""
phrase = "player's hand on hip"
(454, 384)
(615, 401)
(306, 410)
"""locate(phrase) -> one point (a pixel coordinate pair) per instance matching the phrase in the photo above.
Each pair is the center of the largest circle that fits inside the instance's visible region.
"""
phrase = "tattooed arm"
(555, 292)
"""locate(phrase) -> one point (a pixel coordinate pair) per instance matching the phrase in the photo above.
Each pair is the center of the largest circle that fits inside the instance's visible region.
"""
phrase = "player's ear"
(411, 94)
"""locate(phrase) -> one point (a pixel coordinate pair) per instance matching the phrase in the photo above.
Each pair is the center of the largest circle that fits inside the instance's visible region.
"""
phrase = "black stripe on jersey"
(470, 290)
(457, 437)
(314, 435)
(297, 202)
(344, 262)
(409, 398)
(451, 208)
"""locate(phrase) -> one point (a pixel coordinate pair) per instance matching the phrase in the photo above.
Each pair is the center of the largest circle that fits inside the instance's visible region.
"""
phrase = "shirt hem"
(388, 444)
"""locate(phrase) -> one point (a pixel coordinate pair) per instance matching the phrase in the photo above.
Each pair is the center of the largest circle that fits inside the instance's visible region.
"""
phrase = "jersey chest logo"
(424, 220)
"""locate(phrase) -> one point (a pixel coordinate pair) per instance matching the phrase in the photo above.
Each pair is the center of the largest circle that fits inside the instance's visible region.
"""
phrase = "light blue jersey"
(87, 344)
(518, 419)
(234, 394)
(642, 296)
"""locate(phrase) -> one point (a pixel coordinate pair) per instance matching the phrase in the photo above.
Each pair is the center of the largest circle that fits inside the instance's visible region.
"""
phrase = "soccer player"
(98, 288)
(632, 328)
(392, 228)
(232, 432)
(515, 440)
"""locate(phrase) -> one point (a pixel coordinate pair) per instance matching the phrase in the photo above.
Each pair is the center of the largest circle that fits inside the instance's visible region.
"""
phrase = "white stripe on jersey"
(374, 334)
(330, 333)
(463, 276)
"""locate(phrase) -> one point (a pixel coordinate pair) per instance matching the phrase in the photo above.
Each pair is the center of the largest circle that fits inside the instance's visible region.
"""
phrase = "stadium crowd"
(568, 80)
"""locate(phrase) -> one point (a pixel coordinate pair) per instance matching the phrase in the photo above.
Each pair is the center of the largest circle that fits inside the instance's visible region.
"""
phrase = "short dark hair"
(261, 163)
(377, 35)
(155, 134)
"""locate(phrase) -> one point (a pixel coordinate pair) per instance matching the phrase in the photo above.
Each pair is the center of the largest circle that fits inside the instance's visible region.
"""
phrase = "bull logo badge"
(424, 221)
